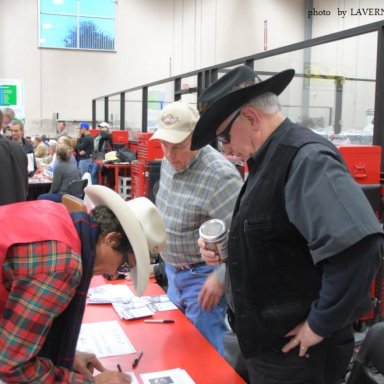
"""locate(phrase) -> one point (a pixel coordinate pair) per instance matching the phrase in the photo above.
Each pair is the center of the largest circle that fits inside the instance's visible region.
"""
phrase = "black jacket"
(13, 172)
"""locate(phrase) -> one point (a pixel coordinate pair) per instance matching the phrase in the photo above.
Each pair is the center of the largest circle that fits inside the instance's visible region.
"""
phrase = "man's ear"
(251, 115)
(112, 239)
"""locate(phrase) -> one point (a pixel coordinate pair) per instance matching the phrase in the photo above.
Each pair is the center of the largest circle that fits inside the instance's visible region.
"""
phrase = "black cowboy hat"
(205, 130)
(238, 77)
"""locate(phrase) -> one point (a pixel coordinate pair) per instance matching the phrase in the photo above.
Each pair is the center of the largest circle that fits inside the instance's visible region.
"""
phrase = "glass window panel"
(105, 8)
(333, 91)
(58, 31)
(58, 6)
(92, 36)
(133, 111)
(114, 111)
(100, 110)
(61, 21)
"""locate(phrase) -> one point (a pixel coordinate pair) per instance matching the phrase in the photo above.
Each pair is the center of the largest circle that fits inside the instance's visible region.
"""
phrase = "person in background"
(302, 232)
(13, 171)
(64, 172)
(61, 129)
(17, 135)
(47, 260)
(8, 116)
(240, 77)
(45, 139)
(53, 145)
(41, 150)
(105, 141)
(84, 149)
(48, 162)
(194, 186)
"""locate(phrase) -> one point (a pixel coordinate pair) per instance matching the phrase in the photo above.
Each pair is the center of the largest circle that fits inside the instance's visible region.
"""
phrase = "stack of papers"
(172, 376)
(126, 304)
(134, 310)
(110, 293)
(143, 306)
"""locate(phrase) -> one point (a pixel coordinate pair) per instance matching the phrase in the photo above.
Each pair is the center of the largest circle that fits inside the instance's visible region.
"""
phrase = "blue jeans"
(183, 290)
(95, 173)
(85, 166)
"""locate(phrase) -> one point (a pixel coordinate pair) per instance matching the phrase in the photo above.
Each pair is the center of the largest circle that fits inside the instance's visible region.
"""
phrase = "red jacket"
(34, 221)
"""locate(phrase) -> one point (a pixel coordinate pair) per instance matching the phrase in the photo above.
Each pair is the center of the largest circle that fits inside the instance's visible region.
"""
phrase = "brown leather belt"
(186, 267)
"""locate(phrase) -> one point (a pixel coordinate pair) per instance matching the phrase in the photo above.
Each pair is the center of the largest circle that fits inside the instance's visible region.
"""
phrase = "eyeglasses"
(224, 136)
(124, 269)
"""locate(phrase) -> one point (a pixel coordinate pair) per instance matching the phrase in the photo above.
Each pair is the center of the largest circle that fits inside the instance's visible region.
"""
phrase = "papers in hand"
(143, 306)
(109, 293)
(171, 376)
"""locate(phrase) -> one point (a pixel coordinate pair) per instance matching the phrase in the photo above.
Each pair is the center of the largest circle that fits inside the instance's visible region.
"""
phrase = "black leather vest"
(273, 278)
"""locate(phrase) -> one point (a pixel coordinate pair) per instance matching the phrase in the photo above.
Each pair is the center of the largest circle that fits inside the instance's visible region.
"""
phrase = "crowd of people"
(303, 243)
(62, 157)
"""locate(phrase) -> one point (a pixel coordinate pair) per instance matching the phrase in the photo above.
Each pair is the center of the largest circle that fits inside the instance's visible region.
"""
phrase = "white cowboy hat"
(142, 224)
(110, 157)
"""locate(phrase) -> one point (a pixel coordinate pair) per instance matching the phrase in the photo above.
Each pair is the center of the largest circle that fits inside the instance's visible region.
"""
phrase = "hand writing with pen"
(86, 363)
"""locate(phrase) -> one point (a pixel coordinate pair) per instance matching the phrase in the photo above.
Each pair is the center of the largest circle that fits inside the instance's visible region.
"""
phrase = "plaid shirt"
(206, 189)
(43, 277)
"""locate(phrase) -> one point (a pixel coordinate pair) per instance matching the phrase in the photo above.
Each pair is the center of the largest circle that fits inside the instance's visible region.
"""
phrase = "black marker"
(159, 321)
(137, 359)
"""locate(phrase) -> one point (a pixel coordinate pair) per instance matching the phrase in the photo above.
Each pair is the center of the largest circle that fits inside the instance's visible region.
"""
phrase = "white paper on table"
(109, 293)
(171, 376)
(133, 376)
(158, 303)
(106, 338)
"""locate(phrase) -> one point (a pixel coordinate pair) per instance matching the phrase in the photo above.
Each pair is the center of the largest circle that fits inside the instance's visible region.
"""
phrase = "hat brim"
(210, 120)
(174, 137)
(101, 195)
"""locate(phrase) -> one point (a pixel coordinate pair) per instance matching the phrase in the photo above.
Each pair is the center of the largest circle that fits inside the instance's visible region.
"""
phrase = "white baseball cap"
(176, 122)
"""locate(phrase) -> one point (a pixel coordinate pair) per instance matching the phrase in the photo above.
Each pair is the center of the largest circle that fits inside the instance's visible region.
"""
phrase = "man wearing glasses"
(47, 259)
(304, 243)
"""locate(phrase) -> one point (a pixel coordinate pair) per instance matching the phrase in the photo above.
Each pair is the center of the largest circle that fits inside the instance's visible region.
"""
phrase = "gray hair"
(9, 112)
(267, 103)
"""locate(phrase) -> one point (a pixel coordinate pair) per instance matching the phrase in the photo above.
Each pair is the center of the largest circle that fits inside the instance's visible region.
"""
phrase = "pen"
(159, 321)
(137, 359)
(119, 368)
